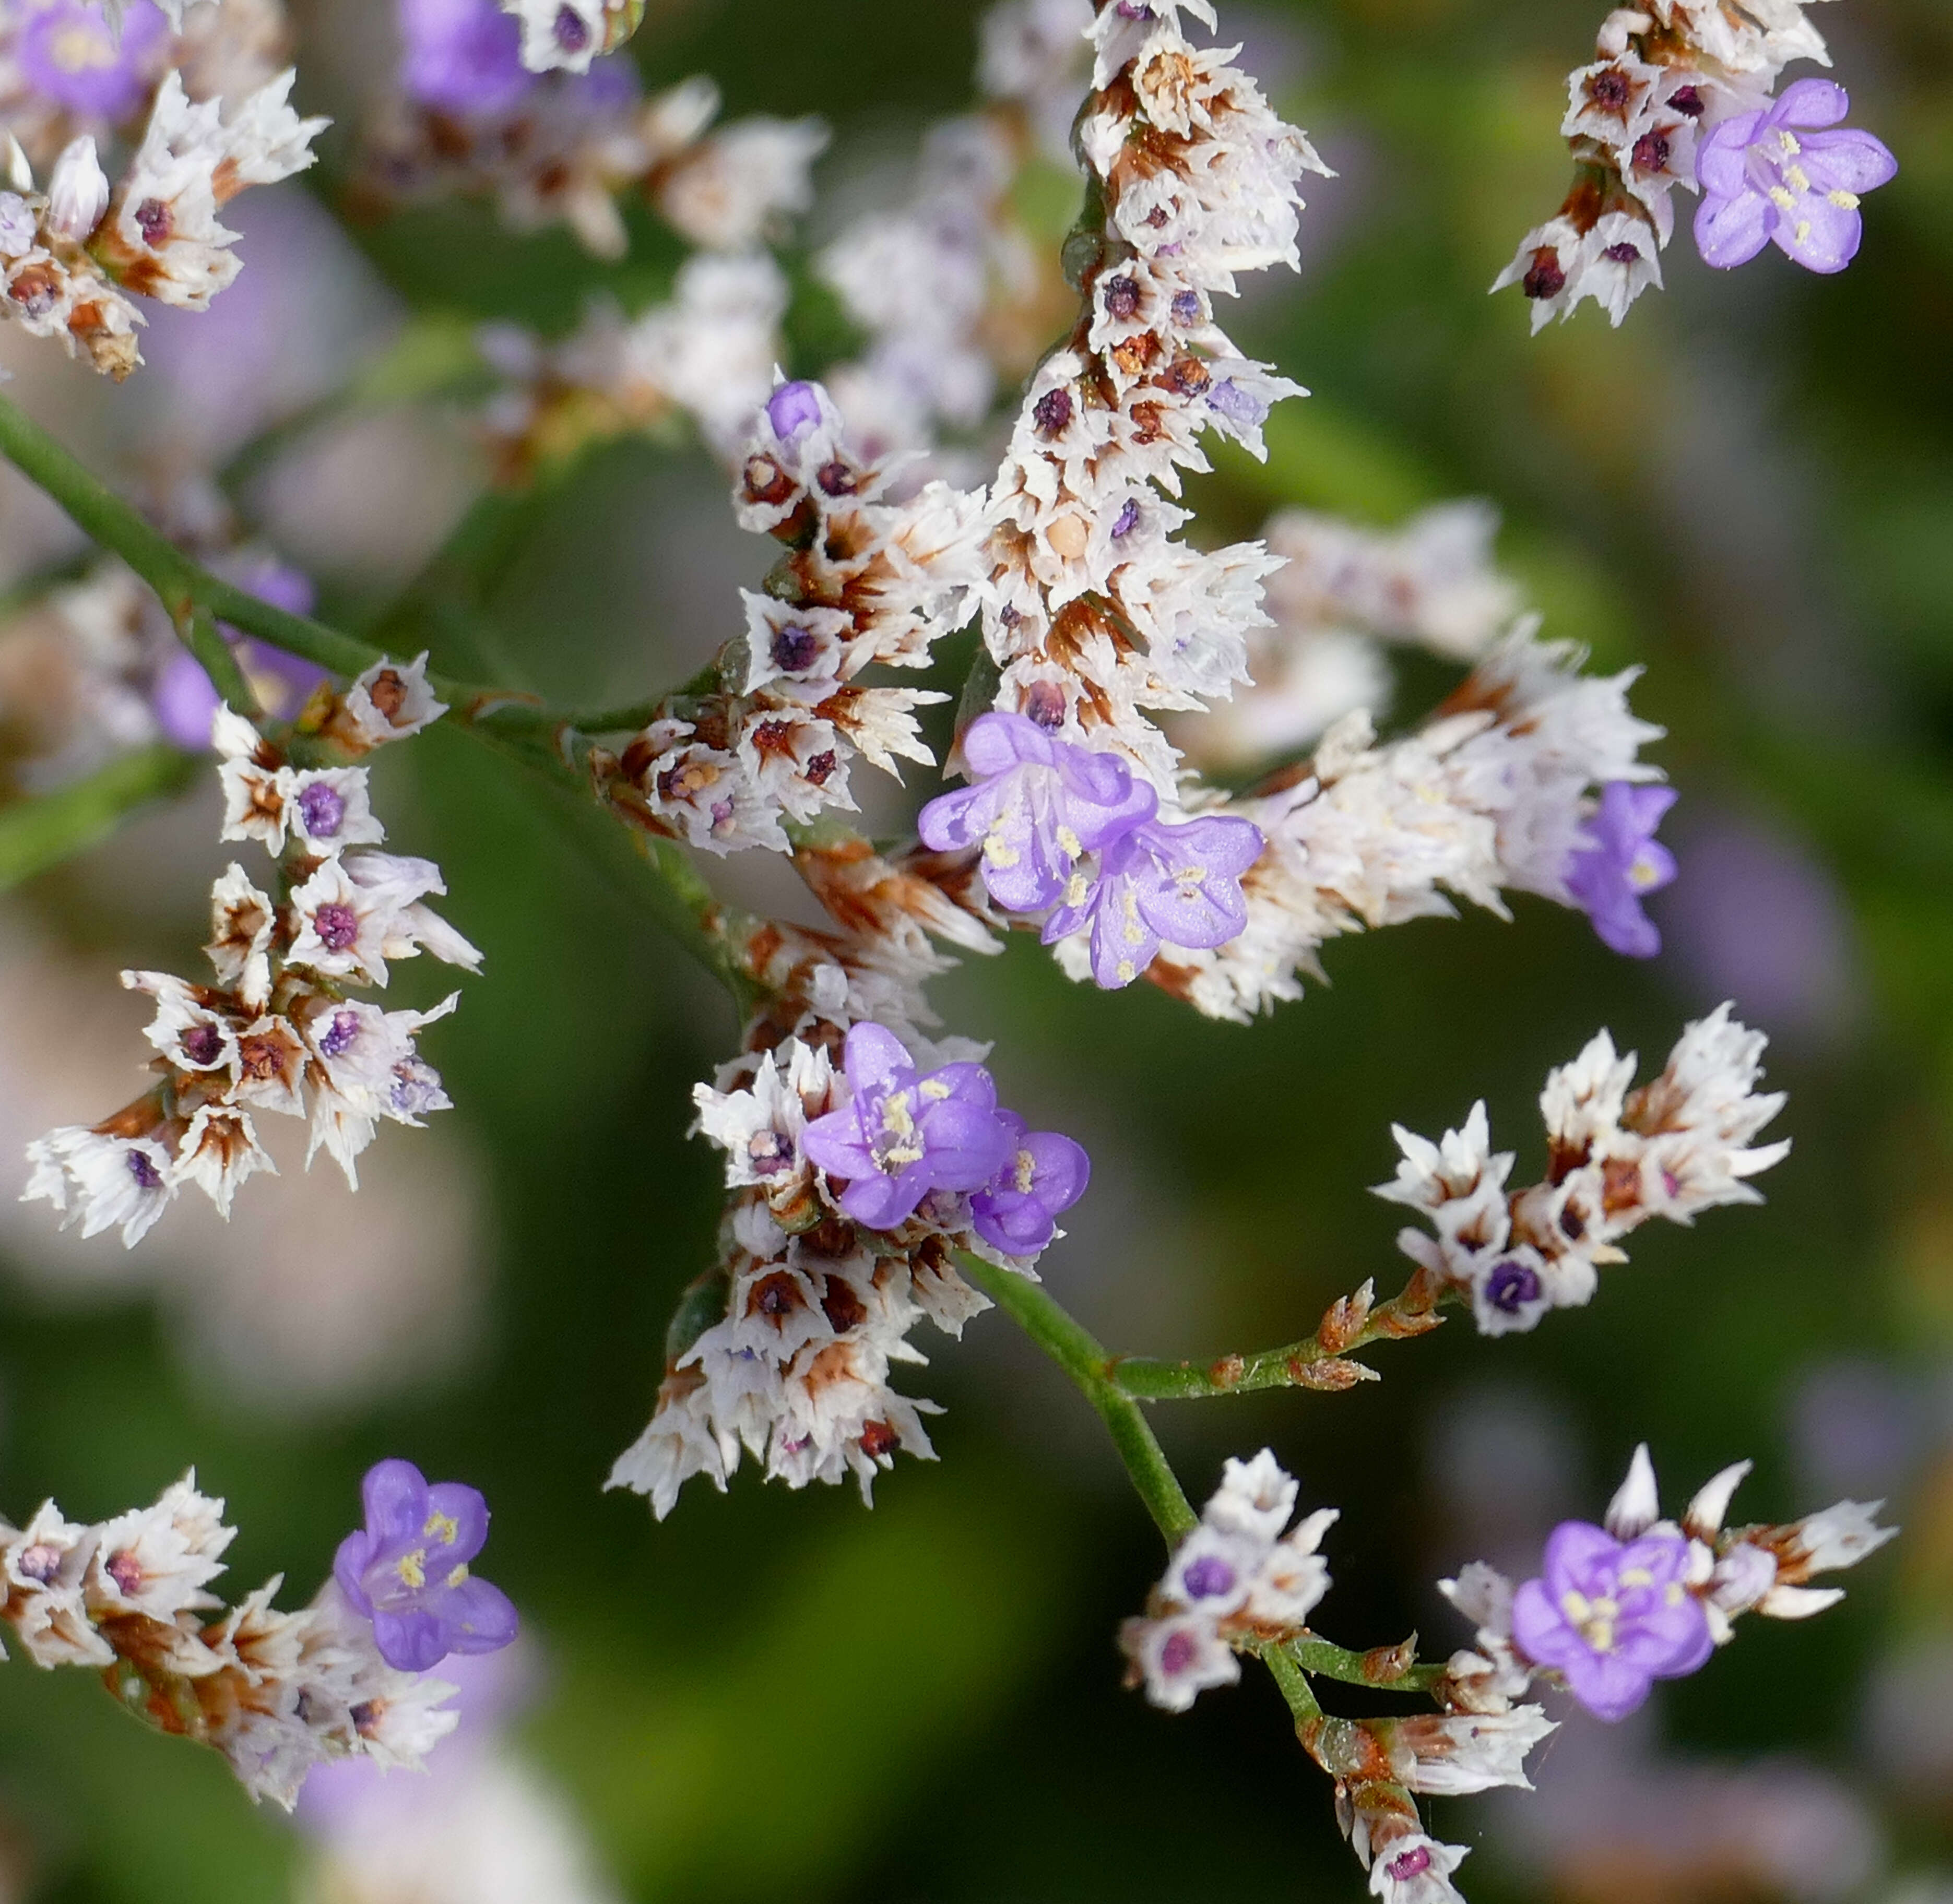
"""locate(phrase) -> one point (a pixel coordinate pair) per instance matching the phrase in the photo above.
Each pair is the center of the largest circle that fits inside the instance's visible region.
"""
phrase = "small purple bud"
(324, 811)
(1187, 307)
(143, 1171)
(572, 31)
(793, 409)
(1209, 1577)
(1051, 413)
(337, 926)
(1177, 1654)
(1511, 1286)
(340, 1034)
(1127, 517)
(1410, 1864)
(201, 1044)
(1044, 703)
(794, 648)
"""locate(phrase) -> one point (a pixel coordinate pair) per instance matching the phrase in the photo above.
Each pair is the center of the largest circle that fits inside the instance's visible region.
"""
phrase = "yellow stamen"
(1844, 200)
(442, 1527)
(459, 1574)
(1781, 200)
(412, 1568)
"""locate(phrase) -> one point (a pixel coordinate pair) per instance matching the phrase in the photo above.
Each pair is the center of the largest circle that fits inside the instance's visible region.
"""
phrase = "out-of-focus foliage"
(1749, 488)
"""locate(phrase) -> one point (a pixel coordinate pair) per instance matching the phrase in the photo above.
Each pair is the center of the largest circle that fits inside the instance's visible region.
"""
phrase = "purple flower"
(462, 56)
(1613, 1617)
(1762, 182)
(68, 53)
(182, 700)
(793, 409)
(1618, 862)
(1181, 885)
(902, 1134)
(1039, 805)
(1017, 1211)
(407, 1571)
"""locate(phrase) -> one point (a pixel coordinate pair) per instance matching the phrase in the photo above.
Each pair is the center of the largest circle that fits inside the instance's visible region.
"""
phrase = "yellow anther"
(1574, 1604)
(81, 49)
(1128, 971)
(1076, 887)
(1784, 201)
(1796, 178)
(412, 1568)
(1674, 1595)
(935, 1089)
(1073, 845)
(1804, 231)
(442, 1527)
(1788, 141)
(1844, 200)
(1636, 1577)
(459, 1574)
(998, 853)
(1026, 1170)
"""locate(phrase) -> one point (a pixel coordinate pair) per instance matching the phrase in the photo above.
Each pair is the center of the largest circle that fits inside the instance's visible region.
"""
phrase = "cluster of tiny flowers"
(471, 119)
(73, 258)
(276, 1693)
(1094, 611)
(277, 1033)
(76, 68)
(1682, 1143)
(1639, 1598)
(852, 1189)
(948, 287)
(1237, 1580)
(863, 583)
(706, 354)
(1344, 592)
(97, 670)
(1495, 792)
(1679, 93)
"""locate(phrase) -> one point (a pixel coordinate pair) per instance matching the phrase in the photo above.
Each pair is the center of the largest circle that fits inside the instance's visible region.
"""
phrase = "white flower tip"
(78, 192)
(1637, 1506)
(19, 173)
(1705, 1512)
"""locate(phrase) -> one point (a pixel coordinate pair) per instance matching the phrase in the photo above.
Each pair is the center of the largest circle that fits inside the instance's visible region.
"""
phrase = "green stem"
(1077, 1351)
(1309, 1363)
(38, 833)
(1069, 1345)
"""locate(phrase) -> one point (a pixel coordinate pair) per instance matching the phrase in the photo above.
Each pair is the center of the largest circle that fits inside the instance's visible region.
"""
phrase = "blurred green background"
(1749, 489)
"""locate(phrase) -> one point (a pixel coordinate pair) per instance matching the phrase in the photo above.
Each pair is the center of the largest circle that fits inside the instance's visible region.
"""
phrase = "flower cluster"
(93, 668)
(863, 583)
(853, 1189)
(1074, 836)
(1238, 1580)
(948, 287)
(706, 353)
(73, 258)
(1343, 593)
(1639, 1599)
(1679, 93)
(278, 1032)
(473, 120)
(1494, 792)
(75, 68)
(1682, 1143)
(1095, 611)
(276, 1693)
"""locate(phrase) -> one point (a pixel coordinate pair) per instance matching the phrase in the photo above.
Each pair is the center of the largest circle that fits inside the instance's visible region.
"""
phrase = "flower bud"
(78, 193)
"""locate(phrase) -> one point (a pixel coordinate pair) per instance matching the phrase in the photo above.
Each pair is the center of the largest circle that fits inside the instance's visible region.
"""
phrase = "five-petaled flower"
(904, 1133)
(1613, 1616)
(1790, 175)
(407, 1571)
(1045, 1175)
